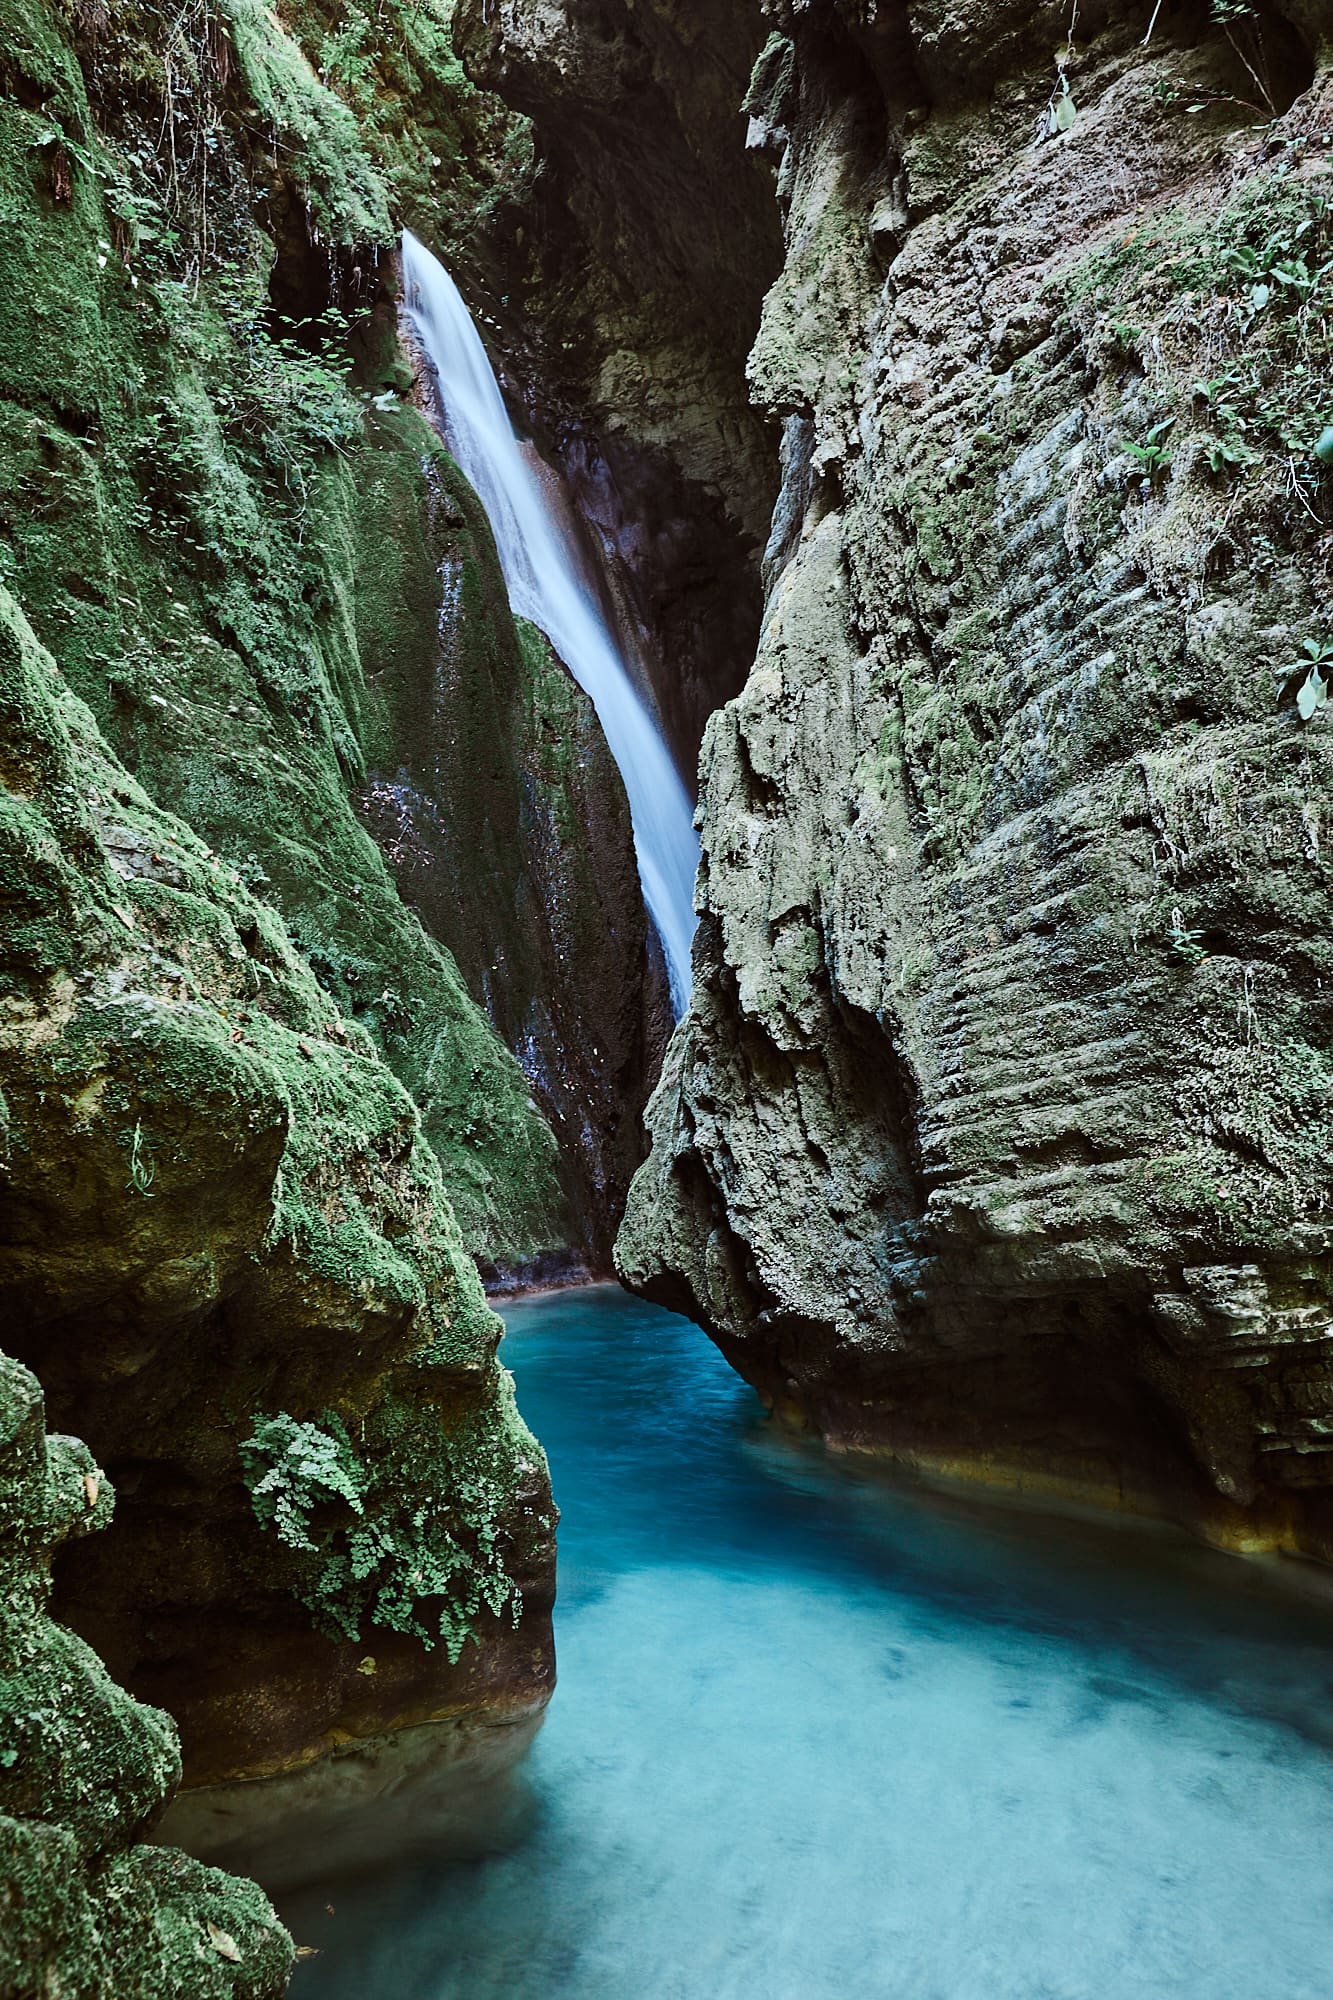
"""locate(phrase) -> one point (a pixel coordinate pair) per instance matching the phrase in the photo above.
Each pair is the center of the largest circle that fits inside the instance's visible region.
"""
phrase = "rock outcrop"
(492, 794)
(998, 1134)
(257, 1131)
(86, 1911)
(226, 1246)
(626, 299)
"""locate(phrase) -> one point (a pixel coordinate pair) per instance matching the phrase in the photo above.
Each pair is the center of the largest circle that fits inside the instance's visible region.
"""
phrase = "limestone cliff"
(259, 1128)
(491, 792)
(998, 1133)
(227, 1247)
(626, 296)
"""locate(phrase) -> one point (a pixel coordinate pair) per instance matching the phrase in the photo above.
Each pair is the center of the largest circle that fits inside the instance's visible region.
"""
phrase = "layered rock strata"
(998, 1133)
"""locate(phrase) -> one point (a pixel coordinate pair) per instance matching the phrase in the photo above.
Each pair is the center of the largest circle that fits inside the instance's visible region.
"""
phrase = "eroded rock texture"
(223, 1236)
(85, 1911)
(630, 292)
(998, 1133)
(256, 1131)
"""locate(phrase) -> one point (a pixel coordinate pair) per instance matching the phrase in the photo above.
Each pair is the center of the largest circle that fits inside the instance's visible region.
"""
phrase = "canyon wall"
(320, 934)
(625, 297)
(998, 1133)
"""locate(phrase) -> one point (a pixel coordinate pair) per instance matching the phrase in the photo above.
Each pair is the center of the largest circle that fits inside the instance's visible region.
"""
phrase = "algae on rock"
(85, 1910)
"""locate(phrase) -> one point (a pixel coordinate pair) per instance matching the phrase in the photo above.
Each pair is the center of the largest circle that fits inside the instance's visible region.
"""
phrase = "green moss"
(448, 154)
(82, 1767)
(1228, 313)
(183, 521)
(230, 1021)
(312, 126)
(399, 1528)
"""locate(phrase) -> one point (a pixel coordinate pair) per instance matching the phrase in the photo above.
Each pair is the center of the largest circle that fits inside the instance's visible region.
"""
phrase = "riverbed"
(823, 1735)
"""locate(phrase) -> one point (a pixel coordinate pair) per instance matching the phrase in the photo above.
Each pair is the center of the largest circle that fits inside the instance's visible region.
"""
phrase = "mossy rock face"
(491, 792)
(84, 1768)
(182, 479)
(220, 1207)
(999, 1132)
(225, 517)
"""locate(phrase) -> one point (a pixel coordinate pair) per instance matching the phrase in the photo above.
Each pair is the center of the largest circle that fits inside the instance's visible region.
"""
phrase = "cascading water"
(545, 589)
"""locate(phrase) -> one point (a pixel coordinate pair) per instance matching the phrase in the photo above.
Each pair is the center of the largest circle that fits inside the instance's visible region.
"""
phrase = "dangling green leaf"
(1312, 695)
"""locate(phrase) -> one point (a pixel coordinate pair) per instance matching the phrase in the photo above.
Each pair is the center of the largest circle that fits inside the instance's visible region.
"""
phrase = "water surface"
(822, 1737)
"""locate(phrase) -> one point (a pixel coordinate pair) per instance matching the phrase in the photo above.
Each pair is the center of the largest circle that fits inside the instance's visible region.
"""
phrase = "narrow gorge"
(666, 663)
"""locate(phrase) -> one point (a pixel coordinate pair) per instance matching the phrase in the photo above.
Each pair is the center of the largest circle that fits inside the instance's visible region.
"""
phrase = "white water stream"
(544, 588)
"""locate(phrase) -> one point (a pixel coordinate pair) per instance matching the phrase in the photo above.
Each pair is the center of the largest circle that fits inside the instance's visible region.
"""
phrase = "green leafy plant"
(1317, 668)
(1125, 334)
(1153, 456)
(379, 1532)
(1229, 451)
(1252, 292)
(294, 1469)
(1229, 454)
(1185, 943)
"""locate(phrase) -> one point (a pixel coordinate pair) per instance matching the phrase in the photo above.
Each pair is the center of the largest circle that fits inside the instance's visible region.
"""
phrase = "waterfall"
(544, 588)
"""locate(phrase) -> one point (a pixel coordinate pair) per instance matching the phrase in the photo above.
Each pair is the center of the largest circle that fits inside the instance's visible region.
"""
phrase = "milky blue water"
(820, 1737)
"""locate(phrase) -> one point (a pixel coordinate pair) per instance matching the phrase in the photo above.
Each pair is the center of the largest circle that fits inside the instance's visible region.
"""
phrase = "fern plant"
(391, 1534)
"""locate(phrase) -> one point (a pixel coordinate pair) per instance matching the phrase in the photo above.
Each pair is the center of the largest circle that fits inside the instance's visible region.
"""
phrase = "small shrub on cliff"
(1316, 669)
(1231, 319)
(379, 1533)
(1153, 454)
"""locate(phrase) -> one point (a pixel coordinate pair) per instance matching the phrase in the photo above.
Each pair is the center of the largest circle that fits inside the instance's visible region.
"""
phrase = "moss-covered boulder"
(85, 1911)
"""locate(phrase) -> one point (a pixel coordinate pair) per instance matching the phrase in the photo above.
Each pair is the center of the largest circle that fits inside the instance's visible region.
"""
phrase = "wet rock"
(647, 246)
